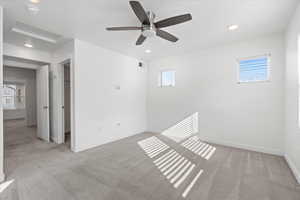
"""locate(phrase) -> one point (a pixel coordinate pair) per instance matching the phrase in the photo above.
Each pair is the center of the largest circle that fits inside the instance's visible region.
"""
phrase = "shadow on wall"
(183, 129)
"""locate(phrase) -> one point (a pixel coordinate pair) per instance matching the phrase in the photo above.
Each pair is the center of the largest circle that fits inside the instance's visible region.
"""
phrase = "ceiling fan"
(149, 28)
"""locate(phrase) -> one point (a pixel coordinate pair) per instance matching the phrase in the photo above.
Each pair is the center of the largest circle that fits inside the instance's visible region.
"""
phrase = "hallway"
(21, 146)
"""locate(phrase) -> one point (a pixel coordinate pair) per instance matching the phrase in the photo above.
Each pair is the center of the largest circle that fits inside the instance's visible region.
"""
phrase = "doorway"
(19, 107)
(25, 101)
(26, 97)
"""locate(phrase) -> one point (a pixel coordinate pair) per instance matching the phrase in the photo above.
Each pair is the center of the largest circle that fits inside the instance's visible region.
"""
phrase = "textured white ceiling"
(87, 20)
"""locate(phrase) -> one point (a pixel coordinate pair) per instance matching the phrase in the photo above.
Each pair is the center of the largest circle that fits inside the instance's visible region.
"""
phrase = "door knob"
(45, 107)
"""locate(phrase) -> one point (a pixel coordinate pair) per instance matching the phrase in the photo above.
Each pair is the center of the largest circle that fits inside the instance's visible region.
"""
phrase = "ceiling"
(86, 20)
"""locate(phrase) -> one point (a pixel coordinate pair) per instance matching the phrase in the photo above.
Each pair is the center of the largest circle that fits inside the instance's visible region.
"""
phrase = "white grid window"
(167, 79)
(13, 97)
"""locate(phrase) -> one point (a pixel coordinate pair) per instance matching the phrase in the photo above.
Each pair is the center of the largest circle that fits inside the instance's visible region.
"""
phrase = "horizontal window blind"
(254, 69)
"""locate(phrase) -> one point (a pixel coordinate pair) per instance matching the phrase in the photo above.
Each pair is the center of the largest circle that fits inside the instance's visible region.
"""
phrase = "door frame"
(16, 64)
(60, 73)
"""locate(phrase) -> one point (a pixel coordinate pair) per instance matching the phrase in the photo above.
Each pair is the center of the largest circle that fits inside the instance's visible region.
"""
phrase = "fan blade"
(140, 40)
(139, 12)
(173, 21)
(126, 28)
(165, 35)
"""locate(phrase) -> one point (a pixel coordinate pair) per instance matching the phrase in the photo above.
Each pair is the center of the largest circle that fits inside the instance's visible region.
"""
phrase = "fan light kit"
(148, 27)
(148, 51)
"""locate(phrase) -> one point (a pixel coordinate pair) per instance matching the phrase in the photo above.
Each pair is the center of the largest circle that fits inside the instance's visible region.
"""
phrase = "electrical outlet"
(119, 124)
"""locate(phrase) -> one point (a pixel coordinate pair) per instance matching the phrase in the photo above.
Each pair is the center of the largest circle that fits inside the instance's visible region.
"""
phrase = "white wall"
(27, 77)
(18, 64)
(56, 90)
(26, 53)
(292, 130)
(102, 112)
(14, 114)
(243, 115)
(2, 176)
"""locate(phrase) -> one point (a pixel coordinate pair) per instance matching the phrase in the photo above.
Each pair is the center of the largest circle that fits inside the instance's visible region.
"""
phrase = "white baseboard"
(81, 148)
(54, 139)
(2, 177)
(293, 167)
(245, 146)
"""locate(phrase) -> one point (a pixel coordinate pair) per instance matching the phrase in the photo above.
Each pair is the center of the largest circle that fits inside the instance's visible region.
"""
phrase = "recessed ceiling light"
(148, 51)
(26, 44)
(35, 1)
(233, 27)
(33, 9)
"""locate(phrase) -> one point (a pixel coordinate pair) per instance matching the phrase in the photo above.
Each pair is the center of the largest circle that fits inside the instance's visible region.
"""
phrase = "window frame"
(160, 83)
(268, 55)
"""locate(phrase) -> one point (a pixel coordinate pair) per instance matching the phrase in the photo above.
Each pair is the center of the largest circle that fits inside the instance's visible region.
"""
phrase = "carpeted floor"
(141, 169)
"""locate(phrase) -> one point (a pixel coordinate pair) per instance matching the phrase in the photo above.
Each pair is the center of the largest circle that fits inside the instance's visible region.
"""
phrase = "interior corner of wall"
(293, 167)
(2, 177)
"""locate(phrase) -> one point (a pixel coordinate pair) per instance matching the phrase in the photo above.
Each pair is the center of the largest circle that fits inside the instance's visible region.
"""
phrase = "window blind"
(254, 69)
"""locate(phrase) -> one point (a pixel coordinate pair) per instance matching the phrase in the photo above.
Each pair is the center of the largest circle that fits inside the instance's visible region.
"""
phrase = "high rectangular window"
(167, 79)
(254, 69)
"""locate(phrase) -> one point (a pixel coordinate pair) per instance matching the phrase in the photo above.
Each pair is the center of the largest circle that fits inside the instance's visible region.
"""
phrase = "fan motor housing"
(149, 30)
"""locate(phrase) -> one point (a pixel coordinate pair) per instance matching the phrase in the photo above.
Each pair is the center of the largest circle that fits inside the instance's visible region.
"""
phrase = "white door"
(42, 82)
(63, 104)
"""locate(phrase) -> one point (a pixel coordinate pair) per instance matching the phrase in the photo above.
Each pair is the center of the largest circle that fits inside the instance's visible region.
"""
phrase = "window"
(254, 69)
(13, 97)
(167, 79)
